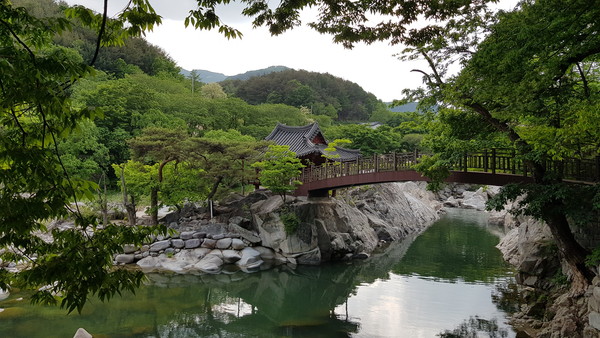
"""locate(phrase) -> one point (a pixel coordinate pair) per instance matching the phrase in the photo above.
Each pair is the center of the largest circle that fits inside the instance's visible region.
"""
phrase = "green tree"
(280, 169)
(370, 141)
(159, 146)
(531, 84)
(35, 115)
(213, 91)
(82, 154)
(226, 157)
(182, 183)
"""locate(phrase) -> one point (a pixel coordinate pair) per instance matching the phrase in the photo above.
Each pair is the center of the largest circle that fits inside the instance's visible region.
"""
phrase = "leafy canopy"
(280, 169)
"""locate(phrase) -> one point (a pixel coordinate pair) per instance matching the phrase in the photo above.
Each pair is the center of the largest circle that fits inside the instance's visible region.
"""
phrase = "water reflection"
(411, 289)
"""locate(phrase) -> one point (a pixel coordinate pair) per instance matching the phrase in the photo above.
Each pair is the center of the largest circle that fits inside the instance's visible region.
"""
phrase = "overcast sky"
(373, 67)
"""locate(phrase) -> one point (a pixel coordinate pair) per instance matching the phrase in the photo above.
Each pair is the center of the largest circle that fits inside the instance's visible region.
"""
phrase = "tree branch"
(100, 33)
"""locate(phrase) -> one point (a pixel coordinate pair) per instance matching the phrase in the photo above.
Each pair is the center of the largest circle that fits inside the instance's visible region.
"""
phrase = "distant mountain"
(323, 94)
(207, 76)
(405, 108)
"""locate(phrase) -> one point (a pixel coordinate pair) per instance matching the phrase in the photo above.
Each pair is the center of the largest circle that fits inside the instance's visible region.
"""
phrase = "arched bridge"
(490, 167)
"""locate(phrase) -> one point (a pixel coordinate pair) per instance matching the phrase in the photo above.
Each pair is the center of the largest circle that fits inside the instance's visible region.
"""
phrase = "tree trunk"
(154, 206)
(570, 250)
(131, 212)
(104, 203)
(130, 207)
(215, 186)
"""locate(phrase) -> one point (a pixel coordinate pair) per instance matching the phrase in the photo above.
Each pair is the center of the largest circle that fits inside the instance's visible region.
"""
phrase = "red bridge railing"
(494, 161)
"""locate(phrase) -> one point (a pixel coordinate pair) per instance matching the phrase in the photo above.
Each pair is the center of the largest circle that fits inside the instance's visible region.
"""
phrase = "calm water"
(443, 281)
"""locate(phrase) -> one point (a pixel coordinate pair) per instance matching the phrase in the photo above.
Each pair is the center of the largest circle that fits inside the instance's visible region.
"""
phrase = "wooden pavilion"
(309, 143)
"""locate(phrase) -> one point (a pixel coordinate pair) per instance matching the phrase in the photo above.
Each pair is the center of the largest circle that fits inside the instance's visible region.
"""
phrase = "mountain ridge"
(207, 76)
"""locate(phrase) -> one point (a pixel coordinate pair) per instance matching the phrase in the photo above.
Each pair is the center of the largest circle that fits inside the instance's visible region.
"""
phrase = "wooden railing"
(494, 161)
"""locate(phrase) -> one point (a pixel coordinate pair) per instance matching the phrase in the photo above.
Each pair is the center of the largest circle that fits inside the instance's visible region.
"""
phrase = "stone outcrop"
(250, 233)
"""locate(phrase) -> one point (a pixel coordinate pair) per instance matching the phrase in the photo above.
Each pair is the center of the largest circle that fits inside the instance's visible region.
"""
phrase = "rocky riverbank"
(257, 231)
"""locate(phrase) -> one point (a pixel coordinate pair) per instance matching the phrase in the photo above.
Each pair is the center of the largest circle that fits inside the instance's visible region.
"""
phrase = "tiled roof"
(299, 139)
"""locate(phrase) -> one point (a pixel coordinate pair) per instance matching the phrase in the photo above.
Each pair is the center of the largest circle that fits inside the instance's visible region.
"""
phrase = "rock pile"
(202, 252)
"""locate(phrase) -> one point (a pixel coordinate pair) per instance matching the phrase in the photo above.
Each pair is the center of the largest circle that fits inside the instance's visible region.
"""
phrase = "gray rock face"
(527, 247)
(475, 199)
(128, 248)
(265, 253)
(82, 333)
(192, 243)
(177, 243)
(186, 235)
(125, 258)
(354, 222)
(209, 264)
(4, 294)
(223, 243)
(149, 263)
(231, 256)
(250, 258)
(237, 244)
(160, 245)
(209, 243)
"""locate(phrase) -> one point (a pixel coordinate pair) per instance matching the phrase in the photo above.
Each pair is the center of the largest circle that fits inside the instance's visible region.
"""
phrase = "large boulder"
(527, 247)
(355, 222)
(475, 199)
(210, 264)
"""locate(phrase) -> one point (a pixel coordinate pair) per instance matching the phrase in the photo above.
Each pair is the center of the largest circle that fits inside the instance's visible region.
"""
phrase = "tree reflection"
(476, 327)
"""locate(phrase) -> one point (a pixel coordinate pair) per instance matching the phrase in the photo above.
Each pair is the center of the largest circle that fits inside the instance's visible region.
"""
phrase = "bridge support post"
(493, 160)
(485, 161)
(514, 162)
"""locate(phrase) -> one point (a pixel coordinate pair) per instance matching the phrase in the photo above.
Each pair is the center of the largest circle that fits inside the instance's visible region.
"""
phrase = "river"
(444, 282)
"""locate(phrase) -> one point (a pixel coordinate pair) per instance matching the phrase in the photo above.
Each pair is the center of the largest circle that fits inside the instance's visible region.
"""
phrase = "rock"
(474, 199)
(451, 202)
(169, 251)
(178, 243)
(245, 234)
(209, 243)
(125, 258)
(149, 263)
(4, 294)
(265, 253)
(192, 243)
(82, 333)
(160, 245)
(223, 243)
(186, 235)
(209, 264)
(237, 244)
(594, 320)
(249, 257)
(199, 235)
(216, 252)
(312, 257)
(218, 237)
(231, 256)
(128, 248)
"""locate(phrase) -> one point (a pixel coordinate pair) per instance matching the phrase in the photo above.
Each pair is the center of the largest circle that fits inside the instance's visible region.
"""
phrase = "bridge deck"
(492, 167)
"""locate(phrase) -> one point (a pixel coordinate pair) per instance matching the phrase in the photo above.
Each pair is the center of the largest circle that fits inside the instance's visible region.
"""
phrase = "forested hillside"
(323, 94)
(135, 54)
